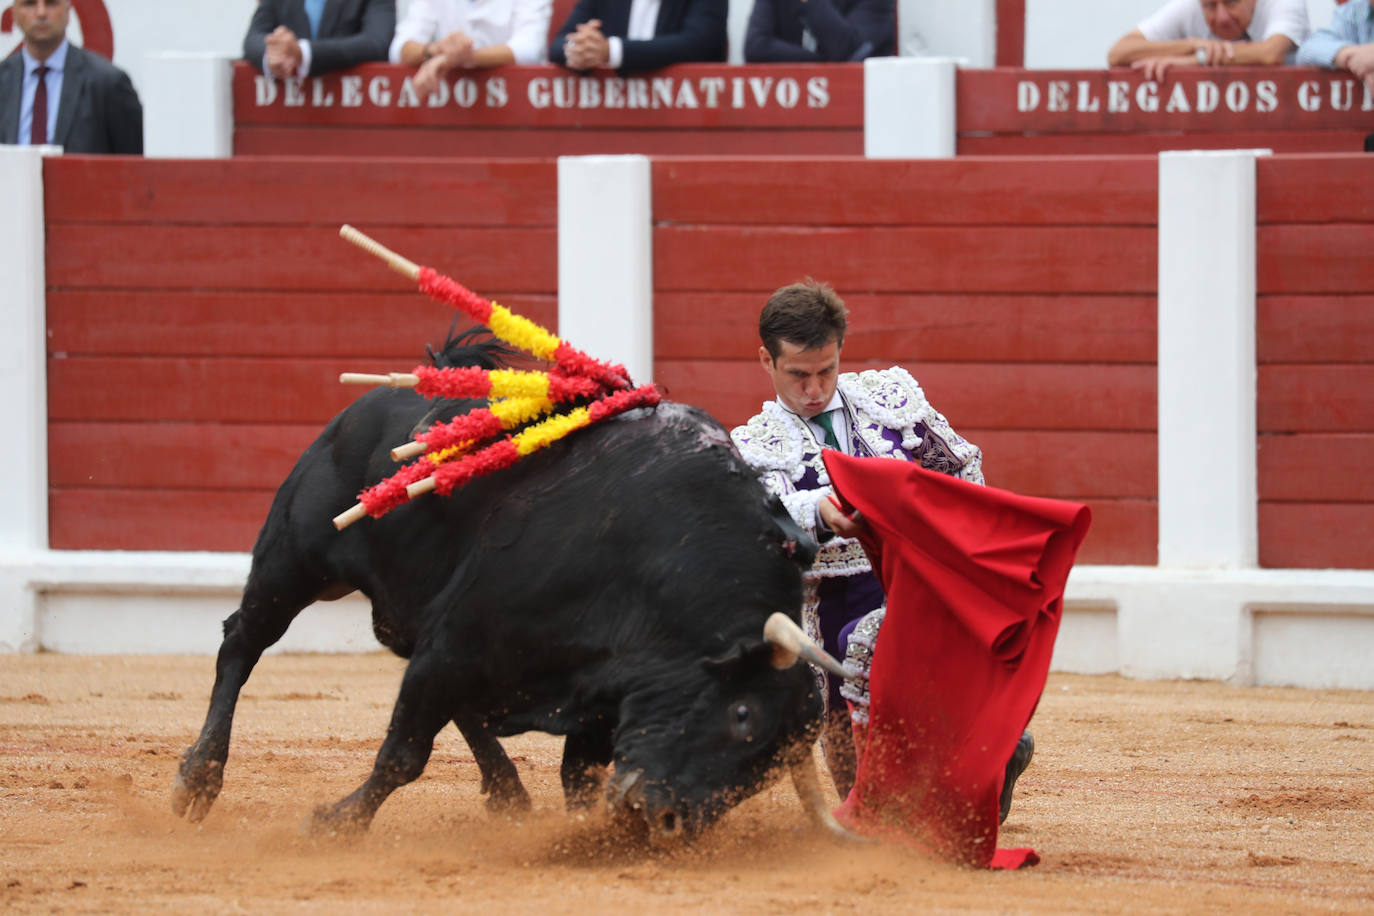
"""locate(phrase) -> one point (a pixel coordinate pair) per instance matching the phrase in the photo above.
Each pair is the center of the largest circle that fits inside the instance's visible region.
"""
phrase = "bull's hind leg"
(269, 605)
(426, 703)
(500, 780)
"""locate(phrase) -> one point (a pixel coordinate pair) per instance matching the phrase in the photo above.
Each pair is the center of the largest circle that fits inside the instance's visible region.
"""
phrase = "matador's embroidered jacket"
(888, 417)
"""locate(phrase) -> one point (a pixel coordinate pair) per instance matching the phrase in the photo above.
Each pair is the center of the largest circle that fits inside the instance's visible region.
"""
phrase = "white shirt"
(1181, 19)
(521, 25)
(840, 423)
(838, 419)
(641, 27)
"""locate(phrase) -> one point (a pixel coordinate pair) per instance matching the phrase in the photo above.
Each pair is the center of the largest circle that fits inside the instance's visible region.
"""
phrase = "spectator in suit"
(300, 38)
(1213, 33)
(1346, 44)
(631, 35)
(819, 30)
(442, 35)
(54, 92)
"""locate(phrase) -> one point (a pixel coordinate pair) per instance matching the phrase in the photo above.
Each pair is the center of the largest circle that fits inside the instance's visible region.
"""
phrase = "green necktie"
(831, 439)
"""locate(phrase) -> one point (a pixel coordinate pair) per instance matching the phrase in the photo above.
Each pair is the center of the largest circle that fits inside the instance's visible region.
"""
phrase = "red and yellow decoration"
(481, 441)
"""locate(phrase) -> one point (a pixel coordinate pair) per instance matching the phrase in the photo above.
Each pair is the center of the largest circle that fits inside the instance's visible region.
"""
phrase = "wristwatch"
(1201, 55)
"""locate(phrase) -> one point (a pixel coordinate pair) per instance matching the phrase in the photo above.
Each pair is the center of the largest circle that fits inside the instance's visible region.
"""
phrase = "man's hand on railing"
(1154, 68)
(1214, 53)
(1359, 60)
(283, 53)
(587, 46)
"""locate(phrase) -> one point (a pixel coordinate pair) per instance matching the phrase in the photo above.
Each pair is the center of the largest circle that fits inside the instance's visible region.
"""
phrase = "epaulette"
(770, 441)
(891, 397)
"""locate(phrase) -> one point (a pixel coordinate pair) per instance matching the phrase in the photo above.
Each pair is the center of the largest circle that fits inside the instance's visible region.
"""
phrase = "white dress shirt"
(641, 27)
(837, 419)
(521, 25)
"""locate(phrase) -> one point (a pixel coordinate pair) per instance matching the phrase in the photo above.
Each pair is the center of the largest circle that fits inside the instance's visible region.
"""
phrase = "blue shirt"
(1351, 24)
(57, 65)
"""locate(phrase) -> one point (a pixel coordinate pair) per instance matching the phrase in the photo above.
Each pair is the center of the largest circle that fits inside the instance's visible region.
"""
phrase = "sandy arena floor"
(1158, 797)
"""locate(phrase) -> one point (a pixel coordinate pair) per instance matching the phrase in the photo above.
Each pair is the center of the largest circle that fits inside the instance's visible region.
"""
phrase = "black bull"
(612, 588)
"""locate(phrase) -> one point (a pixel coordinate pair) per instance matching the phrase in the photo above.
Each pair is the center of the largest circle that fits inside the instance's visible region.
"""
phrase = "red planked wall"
(1020, 293)
(1315, 343)
(199, 314)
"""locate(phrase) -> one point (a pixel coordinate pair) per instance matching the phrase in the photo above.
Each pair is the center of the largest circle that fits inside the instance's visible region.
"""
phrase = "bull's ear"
(746, 653)
(796, 542)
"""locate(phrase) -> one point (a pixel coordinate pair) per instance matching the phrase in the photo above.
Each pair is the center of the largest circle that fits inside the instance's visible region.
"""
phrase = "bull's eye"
(741, 722)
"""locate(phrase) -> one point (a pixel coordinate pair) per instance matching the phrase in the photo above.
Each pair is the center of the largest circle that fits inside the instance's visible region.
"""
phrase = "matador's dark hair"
(808, 314)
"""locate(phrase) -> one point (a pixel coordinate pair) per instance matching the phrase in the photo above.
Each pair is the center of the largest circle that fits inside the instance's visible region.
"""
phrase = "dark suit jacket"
(843, 29)
(98, 112)
(351, 31)
(686, 31)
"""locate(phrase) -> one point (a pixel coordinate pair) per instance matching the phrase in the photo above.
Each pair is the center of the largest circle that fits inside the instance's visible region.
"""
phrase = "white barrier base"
(1280, 627)
(151, 603)
(1304, 628)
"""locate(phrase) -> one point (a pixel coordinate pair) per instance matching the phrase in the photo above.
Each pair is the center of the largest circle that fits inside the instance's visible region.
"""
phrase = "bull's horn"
(809, 791)
(790, 643)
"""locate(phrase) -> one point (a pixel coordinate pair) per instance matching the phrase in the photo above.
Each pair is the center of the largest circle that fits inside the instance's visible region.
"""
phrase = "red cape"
(974, 578)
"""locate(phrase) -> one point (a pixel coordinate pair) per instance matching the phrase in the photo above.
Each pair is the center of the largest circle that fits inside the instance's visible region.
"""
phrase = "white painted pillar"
(605, 259)
(966, 29)
(1208, 476)
(909, 108)
(23, 390)
(188, 106)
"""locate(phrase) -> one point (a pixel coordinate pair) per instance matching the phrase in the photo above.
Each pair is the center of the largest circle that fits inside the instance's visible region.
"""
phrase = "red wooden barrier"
(199, 314)
(1071, 112)
(1020, 293)
(1316, 361)
(548, 111)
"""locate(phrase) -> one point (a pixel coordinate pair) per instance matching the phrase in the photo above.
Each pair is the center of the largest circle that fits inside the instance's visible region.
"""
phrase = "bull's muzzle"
(627, 797)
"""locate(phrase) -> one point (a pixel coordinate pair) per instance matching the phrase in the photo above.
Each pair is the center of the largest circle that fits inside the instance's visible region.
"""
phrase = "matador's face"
(803, 378)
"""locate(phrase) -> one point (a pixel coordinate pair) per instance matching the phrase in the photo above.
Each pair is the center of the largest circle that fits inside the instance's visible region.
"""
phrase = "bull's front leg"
(500, 780)
(586, 754)
(426, 702)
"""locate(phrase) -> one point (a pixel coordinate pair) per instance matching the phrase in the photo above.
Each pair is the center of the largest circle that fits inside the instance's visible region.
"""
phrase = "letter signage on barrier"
(1187, 99)
(826, 96)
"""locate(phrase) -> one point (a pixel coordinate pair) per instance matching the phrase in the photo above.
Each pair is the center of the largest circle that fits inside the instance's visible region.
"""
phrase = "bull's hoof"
(508, 803)
(334, 822)
(196, 788)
